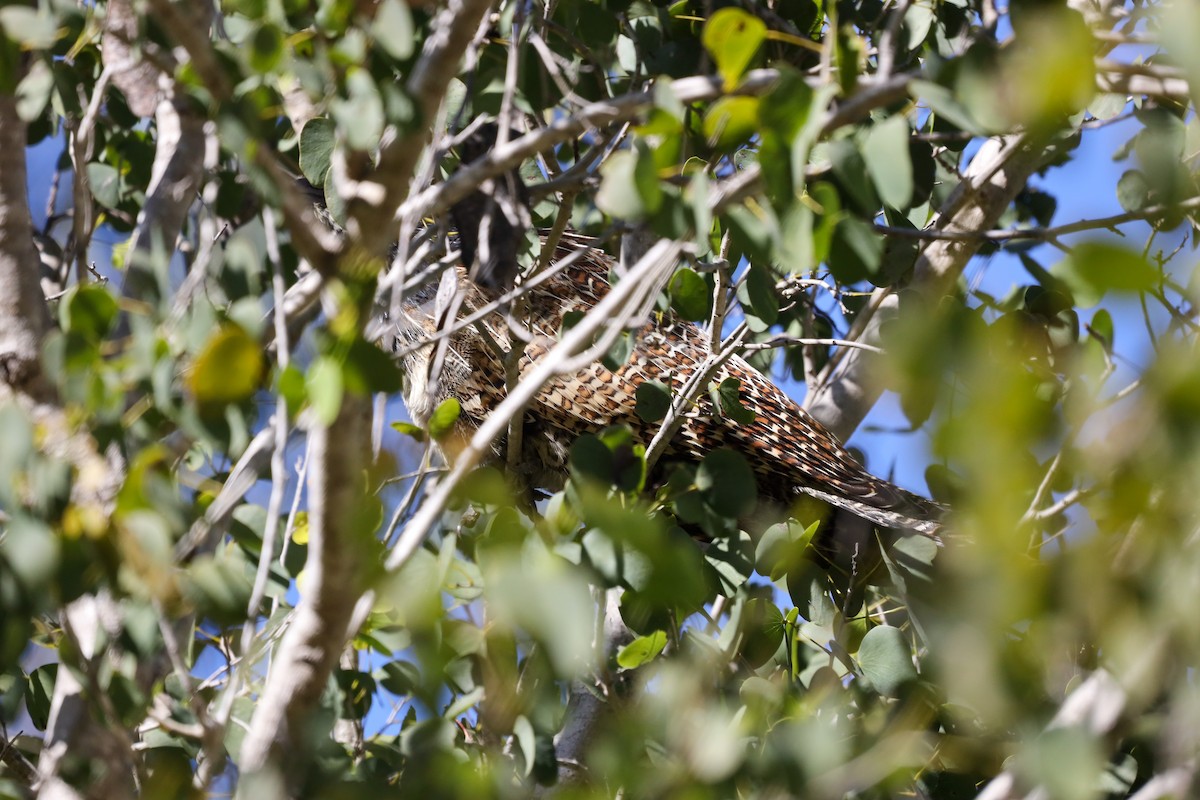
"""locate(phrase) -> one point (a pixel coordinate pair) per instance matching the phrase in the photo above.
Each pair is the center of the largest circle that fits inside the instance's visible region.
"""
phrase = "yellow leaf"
(229, 369)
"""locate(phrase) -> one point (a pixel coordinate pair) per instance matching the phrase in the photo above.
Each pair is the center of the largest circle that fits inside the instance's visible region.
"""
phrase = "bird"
(790, 452)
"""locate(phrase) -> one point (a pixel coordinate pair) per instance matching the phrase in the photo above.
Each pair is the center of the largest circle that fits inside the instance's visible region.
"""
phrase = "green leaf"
(39, 692)
(788, 106)
(31, 550)
(652, 401)
(443, 418)
(853, 178)
(728, 400)
(408, 429)
(783, 548)
(751, 234)
(393, 29)
(619, 353)
(1133, 190)
(732, 36)
(549, 600)
(1101, 327)
(367, 369)
(943, 103)
(220, 586)
(856, 250)
(761, 627)
(523, 735)
(885, 658)
(590, 459)
(360, 114)
(690, 297)
(728, 483)
(325, 388)
(105, 183)
(35, 29)
(266, 48)
(849, 50)
(1067, 761)
(316, 149)
(1096, 268)
(400, 677)
(886, 154)
(641, 650)
(88, 310)
(760, 291)
(731, 122)
(629, 189)
(292, 389)
(34, 91)
(229, 369)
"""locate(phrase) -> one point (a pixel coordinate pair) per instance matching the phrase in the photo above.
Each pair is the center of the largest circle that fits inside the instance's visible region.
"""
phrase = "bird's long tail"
(889, 506)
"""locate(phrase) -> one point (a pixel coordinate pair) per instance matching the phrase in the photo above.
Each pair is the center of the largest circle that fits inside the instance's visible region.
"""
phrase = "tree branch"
(334, 573)
(372, 220)
(24, 318)
(844, 391)
(1043, 234)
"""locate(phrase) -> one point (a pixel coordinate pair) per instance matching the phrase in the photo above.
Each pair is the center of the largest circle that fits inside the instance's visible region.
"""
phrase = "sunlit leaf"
(885, 657)
(39, 692)
(229, 369)
(732, 36)
(408, 429)
(1095, 268)
(1133, 191)
(731, 122)
(690, 296)
(359, 114)
(325, 387)
(642, 650)
(444, 417)
(393, 28)
(629, 189)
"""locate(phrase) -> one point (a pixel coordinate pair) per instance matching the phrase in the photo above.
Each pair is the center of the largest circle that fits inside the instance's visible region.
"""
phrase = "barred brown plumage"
(789, 451)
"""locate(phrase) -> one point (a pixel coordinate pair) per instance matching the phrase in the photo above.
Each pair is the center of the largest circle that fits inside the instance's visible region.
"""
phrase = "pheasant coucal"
(789, 451)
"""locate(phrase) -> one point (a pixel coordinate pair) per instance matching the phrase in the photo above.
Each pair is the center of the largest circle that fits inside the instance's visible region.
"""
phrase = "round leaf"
(733, 36)
(726, 479)
(731, 122)
(629, 189)
(229, 369)
(89, 310)
(266, 48)
(393, 29)
(689, 295)
(886, 660)
(856, 250)
(653, 401)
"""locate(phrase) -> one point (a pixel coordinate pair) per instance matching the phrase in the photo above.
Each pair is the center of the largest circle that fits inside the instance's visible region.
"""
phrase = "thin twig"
(1042, 234)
